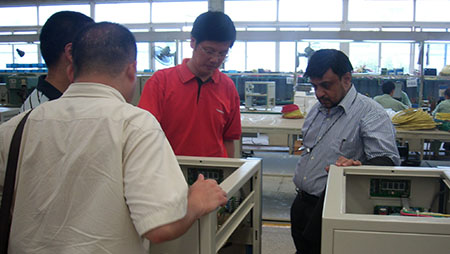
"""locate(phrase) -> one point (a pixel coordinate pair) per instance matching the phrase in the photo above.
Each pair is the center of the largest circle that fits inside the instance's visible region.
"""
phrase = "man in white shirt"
(96, 174)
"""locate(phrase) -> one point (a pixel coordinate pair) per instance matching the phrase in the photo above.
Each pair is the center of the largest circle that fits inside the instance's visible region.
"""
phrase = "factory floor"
(278, 194)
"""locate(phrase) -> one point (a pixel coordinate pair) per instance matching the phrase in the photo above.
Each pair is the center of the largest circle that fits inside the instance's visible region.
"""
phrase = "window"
(364, 55)
(143, 56)
(307, 10)
(31, 53)
(433, 10)
(395, 55)
(124, 13)
(260, 10)
(46, 11)
(5, 55)
(380, 10)
(287, 57)
(171, 12)
(186, 50)
(316, 45)
(434, 56)
(236, 57)
(18, 16)
(447, 58)
(261, 55)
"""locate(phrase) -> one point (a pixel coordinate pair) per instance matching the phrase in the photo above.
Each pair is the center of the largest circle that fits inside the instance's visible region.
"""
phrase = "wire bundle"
(442, 116)
(410, 212)
(413, 119)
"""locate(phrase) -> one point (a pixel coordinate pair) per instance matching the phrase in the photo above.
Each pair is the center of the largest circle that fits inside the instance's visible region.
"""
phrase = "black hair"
(322, 60)
(58, 31)
(213, 26)
(103, 47)
(388, 87)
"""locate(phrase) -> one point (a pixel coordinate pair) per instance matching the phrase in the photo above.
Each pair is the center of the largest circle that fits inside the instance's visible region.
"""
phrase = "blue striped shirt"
(358, 128)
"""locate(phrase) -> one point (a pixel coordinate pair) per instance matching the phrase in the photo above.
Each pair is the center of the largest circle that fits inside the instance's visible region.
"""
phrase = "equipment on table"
(235, 228)
(389, 210)
(259, 93)
(19, 87)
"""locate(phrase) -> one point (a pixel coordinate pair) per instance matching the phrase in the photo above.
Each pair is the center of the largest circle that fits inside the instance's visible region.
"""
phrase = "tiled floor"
(276, 239)
(277, 196)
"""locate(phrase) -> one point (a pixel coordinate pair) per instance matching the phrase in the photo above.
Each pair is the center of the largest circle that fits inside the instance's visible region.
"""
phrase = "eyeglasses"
(213, 53)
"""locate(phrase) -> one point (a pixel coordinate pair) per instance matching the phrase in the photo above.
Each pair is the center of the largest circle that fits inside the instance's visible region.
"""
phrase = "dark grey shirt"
(358, 128)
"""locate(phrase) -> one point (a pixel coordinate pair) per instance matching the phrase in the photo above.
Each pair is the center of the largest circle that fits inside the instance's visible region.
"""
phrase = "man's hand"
(344, 162)
(205, 196)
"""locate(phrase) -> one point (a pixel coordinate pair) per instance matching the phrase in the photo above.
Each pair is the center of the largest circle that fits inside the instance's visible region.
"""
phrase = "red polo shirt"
(196, 122)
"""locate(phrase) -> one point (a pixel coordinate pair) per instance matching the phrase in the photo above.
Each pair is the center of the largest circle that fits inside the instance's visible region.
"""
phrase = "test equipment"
(235, 228)
(389, 210)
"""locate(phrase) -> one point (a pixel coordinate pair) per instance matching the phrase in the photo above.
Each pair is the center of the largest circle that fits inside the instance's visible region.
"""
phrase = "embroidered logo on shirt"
(220, 111)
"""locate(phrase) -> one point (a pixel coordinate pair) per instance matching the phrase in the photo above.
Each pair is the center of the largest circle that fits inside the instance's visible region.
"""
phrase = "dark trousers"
(306, 222)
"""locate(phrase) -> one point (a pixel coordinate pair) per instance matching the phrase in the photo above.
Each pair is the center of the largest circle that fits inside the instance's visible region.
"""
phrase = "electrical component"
(389, 187)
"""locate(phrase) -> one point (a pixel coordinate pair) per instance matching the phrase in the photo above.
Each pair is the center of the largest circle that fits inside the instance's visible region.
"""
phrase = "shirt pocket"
(350, 148)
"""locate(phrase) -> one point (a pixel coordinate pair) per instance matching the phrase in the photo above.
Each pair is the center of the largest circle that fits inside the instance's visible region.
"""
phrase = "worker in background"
(405, 99)
(443, 106)
(56, 39)
(97, 174)
(197, 105)
(386, 100)
(345, 128)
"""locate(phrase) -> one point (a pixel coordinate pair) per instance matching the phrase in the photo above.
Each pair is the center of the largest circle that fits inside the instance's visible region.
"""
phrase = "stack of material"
(413, 119)
(443, 119)
(442, 116)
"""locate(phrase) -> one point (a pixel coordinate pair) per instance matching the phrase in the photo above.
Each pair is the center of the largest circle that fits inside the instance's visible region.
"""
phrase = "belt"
(306, 196)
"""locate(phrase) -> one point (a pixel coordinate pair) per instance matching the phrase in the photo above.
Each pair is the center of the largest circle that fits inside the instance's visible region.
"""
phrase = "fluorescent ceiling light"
(186, 28)
(167, 29)
(294, 29)
(137, 30)
(24, 32)
(389, 41)
(325, 29)
(261, 29)
(327, 40)
(440, 42)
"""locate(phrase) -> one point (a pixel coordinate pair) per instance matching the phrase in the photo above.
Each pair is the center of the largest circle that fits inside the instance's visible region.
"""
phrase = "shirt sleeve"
(233, 128)
(152, 97)
(405, 99)
(436, 110)
(378, 134)
(155, 188)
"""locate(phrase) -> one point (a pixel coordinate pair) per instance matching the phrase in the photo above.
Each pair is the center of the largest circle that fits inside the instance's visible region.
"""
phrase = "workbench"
(416, 138)
(292, 128)
(272, 123)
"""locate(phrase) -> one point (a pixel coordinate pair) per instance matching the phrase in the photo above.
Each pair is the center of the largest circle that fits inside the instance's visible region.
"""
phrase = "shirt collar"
(47, 89)
(93, 90)
(186, 74)
(345, 103)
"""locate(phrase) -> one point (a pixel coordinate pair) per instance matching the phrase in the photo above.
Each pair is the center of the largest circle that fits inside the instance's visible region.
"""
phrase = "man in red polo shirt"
(197, 105)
